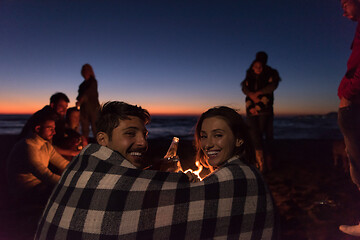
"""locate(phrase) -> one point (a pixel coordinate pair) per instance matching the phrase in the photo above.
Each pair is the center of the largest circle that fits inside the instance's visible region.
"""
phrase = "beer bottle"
(172, 151)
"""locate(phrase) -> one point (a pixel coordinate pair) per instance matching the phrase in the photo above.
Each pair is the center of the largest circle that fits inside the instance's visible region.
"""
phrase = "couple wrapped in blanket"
(106, 194)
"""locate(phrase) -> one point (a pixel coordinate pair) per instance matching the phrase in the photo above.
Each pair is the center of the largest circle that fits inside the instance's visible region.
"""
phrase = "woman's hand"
(253, 111)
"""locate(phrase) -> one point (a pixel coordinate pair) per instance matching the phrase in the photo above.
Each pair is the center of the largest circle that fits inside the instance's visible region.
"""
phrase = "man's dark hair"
(40, 117)
(111, 112)
(262, 56)
(56, 97)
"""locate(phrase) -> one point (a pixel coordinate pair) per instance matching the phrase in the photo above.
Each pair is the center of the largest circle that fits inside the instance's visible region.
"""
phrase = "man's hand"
(344, 102)
(254, 96)
(168, 165)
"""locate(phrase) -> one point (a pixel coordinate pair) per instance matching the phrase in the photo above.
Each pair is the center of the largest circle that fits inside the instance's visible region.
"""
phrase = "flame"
(196, 172)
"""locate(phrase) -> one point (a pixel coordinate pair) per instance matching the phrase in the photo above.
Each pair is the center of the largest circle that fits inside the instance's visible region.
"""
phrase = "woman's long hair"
(238, 127)
(87, 67)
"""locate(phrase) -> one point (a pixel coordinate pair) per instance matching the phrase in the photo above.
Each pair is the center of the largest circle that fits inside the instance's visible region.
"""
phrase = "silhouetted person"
(88, 100)
(349, 107)
(259, 86)
(34, 166)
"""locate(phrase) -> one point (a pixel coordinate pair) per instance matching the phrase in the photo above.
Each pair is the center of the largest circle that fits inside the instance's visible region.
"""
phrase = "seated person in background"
(72, 119)
(33, 165)
(105, 193)
(58, 106)
(71, 140)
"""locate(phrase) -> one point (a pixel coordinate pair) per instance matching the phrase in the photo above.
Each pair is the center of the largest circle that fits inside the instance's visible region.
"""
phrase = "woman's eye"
(218, 135)
(202, 136)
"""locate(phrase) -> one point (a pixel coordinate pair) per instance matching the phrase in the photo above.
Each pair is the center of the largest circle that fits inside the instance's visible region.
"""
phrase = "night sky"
(172, 56)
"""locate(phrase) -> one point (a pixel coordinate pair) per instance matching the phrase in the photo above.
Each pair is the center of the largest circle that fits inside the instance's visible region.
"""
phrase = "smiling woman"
(221, 134)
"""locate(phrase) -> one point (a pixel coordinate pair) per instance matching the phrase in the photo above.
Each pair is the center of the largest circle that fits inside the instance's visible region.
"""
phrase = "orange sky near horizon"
(164, 109)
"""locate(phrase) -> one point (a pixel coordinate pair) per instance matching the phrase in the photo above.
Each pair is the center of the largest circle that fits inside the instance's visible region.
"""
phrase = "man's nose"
(141, 140)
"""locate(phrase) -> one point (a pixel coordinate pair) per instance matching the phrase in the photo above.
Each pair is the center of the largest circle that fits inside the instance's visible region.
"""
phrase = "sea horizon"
(315, 126)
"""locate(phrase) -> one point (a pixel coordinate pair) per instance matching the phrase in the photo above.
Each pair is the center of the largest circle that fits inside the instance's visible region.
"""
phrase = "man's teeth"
(136, 154)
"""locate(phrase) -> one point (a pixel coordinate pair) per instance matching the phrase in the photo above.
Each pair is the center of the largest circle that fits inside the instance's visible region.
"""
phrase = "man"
(58, 105)
(349, 107)
(29, 175)
(105, 193)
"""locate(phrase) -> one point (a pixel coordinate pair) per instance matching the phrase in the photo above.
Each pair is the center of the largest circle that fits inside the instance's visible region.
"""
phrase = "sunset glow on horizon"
(172, 58)
(16, 108)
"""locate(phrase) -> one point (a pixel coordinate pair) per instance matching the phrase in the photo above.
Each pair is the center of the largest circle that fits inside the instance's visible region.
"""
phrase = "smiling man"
(122, 129)
(98, 181)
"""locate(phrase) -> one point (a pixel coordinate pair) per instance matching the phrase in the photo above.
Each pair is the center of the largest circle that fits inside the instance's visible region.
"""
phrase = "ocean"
(165, 127)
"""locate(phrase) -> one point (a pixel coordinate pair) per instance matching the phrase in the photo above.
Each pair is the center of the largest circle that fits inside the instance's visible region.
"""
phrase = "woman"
(88, 101)
(221, 134)
(258, 86)
(223, 144)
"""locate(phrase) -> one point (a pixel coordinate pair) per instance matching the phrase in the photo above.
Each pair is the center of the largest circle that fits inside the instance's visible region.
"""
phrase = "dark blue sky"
(172, 56)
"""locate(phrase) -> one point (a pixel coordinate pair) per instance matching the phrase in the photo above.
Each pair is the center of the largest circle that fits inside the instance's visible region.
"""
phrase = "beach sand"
(312, 196)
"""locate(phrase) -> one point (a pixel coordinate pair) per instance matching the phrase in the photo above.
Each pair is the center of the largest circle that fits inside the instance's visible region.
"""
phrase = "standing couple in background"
(259, 86)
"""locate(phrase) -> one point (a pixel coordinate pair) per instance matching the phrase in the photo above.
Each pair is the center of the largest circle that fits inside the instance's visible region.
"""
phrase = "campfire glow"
(196, 172)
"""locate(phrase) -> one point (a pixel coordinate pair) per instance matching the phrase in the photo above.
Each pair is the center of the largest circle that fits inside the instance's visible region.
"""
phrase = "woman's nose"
(209, 143)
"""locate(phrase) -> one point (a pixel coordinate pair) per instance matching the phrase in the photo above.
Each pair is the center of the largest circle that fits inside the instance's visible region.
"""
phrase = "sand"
(313, 196)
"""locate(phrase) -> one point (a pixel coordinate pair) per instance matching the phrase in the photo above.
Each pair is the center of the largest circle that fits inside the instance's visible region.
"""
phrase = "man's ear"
(102, 138)
(239, 142)
(37, 128)
(52, 105)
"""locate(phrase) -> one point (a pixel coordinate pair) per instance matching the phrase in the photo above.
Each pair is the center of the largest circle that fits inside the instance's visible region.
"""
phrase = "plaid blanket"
(103, 196)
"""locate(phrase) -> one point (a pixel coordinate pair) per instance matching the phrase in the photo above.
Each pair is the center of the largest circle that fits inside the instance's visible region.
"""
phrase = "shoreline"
(313, 196)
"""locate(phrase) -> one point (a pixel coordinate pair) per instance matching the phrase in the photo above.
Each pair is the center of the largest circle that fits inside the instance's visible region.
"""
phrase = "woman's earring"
(239, 142)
